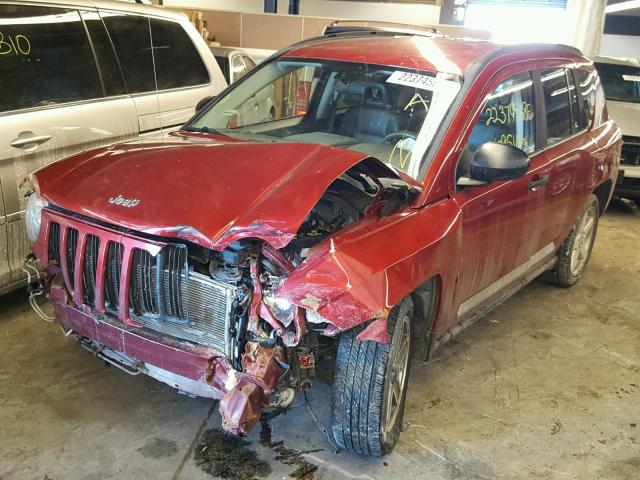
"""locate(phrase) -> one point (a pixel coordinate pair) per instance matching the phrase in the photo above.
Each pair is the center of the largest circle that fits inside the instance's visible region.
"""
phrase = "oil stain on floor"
(229, 457)
(294, 457)
(226, 456)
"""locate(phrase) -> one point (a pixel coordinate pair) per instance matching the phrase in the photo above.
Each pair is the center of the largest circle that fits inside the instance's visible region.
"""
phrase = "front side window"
(389, 113)
(508, 116)
(45, 58)
(557, 102)
(621, 82)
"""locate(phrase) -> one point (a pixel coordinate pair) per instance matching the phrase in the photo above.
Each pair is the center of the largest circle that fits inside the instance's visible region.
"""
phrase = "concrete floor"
(547, 386)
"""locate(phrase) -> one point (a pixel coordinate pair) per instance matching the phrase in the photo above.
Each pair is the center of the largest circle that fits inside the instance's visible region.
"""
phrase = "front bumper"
(192, 363)
(628, 184)
(192, 369)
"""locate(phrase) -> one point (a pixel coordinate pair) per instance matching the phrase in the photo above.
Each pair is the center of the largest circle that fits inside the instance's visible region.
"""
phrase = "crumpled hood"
(209, 192)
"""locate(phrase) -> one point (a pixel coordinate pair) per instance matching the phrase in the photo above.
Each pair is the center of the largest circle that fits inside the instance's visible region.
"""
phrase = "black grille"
(72, 244)
(164, 301)
(630, 151)
(173, 264)
(54, 243)
(89, 271)
(112, 276)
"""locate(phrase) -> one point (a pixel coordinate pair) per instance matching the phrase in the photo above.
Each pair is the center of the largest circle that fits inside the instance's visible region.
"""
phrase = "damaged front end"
(223, 322)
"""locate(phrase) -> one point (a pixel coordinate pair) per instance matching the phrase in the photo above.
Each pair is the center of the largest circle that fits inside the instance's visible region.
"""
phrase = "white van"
(79, 74)
(621, 81)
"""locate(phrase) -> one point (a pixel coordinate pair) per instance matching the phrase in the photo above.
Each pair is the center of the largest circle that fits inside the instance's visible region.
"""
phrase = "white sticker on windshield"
(631, 78)
(415, 80)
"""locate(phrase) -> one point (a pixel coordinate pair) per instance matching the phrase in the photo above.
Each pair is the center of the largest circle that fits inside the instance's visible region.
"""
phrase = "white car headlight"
(33, 216)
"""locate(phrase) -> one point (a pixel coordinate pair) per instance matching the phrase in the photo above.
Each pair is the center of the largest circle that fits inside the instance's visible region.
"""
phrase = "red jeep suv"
(400, 186)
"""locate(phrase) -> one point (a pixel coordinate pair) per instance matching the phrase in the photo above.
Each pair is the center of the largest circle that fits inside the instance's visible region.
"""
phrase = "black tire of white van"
(365, 373)
(564, 273)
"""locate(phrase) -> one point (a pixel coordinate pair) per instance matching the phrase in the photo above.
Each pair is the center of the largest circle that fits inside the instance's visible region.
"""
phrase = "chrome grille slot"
(92, 249)
(72, 244)
(112, 276)
(54, 243)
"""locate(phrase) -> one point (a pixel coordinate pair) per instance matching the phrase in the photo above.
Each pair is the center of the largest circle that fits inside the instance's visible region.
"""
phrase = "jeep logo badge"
(125, 202)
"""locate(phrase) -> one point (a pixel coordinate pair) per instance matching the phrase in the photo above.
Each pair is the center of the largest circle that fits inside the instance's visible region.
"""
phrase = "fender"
(361, 273)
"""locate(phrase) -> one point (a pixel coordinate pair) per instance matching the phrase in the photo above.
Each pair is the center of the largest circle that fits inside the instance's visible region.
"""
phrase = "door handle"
(29, 138)
(538, 182)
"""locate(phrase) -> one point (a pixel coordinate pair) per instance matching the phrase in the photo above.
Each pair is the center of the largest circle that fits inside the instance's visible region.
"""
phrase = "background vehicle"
(621, 81)
(235, 64)
(422, 181)
(81, 74)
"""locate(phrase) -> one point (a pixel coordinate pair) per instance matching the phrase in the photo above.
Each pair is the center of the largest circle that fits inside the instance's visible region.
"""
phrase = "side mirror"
(203, 102)
(495, 161)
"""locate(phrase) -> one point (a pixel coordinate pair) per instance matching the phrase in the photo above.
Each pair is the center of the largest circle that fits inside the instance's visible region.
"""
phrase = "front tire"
(370, 386)
(575, 251)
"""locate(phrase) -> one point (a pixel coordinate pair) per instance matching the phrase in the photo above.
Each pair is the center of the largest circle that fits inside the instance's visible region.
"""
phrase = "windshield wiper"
(204, 130)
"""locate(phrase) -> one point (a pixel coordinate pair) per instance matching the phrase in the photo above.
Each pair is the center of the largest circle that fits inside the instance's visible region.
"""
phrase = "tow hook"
(35, 286)
(248, 392)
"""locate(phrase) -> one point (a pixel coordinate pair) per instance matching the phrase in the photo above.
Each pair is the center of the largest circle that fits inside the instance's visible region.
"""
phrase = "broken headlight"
(281, 309)
(315, 317)
(33, 215)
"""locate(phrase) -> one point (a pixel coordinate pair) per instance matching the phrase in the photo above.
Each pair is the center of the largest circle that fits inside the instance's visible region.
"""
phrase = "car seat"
(374, 120)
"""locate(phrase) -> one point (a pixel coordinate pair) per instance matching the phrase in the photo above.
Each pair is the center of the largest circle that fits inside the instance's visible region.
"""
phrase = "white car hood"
(626, 115)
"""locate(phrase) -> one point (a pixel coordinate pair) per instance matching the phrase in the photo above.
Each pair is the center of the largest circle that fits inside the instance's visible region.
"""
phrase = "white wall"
(579, 25)
(620, 46)
(246, 6)
(391, 12)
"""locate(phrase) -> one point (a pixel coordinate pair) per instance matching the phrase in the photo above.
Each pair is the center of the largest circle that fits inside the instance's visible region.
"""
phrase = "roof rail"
(368, 26)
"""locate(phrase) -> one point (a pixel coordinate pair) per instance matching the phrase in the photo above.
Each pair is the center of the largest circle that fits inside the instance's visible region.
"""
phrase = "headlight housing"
(33, 216)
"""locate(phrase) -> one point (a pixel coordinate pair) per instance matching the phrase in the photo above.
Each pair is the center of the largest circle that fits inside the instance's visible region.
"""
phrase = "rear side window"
(587, 92)
(508, 117)
(132, 40)
(106, 56)
(574, 99)
(558, 109)
(45, 58)
(178, 63)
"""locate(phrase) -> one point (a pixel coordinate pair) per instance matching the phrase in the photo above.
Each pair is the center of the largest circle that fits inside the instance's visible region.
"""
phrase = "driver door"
(502, 221)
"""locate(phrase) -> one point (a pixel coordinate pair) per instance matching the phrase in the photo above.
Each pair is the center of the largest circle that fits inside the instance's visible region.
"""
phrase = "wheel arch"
(603, 193)
(426, 303)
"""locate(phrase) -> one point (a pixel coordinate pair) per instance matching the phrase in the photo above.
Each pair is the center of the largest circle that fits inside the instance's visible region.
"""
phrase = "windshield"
(391, 114)
(621, 82)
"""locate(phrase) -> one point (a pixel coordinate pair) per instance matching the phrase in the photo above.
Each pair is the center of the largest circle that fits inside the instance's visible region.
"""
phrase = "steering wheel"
(390, 139)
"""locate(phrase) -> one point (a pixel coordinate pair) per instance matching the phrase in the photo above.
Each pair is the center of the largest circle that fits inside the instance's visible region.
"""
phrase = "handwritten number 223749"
(16, 44)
